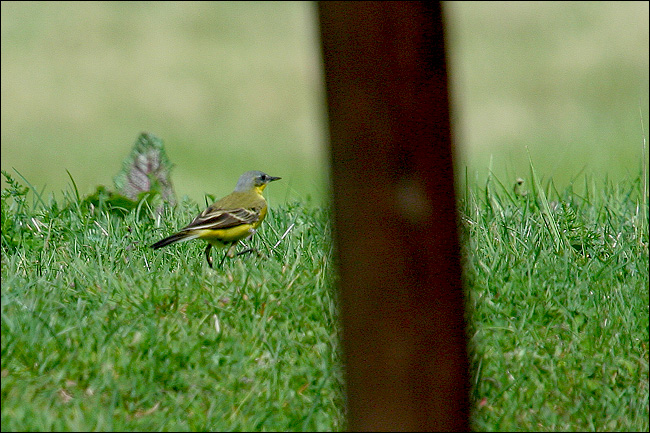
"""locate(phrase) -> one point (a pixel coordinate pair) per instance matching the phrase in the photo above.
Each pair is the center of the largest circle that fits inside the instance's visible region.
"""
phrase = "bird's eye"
(263, 177)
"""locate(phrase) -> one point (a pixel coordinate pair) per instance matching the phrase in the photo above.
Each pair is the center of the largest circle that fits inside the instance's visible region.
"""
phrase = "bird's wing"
(215, 219)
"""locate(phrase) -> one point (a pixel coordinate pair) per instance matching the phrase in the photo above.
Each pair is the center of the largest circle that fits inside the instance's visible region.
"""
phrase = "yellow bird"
(230, 219)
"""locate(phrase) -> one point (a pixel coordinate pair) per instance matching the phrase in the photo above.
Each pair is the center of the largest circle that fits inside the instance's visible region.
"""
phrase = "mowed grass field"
(99, 332)
(557, 286)
(231, 87)
(565, 81)
(228, 86)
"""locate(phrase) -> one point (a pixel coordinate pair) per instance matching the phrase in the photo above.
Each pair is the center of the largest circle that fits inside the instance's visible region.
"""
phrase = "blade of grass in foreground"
(559, 241)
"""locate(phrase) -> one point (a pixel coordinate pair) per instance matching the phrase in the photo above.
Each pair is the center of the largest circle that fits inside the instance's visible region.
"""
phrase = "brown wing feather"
(222, 219)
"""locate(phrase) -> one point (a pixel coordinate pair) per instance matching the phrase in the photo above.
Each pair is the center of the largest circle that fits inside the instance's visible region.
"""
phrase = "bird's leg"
(229, 253)
(247, 250)
(208, 257)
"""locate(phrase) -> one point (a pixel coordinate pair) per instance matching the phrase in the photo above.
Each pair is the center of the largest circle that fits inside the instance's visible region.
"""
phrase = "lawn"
(99, 332)
(558, 306)
(237, 86)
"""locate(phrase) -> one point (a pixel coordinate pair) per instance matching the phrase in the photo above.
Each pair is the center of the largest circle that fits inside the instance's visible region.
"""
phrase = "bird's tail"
(177, 237)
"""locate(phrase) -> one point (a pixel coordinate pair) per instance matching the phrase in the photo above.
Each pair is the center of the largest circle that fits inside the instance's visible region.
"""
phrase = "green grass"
(567, 80)
(237, 86)
(558, 297)
(228, 86)
(99, 332)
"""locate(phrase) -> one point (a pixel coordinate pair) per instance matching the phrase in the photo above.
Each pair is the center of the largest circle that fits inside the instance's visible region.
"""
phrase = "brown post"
(394, 216)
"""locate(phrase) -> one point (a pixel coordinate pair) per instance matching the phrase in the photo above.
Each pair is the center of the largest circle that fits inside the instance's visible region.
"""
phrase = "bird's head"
(254, 180)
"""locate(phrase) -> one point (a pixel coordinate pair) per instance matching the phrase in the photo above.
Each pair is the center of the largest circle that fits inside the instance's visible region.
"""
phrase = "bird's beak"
(271, 178)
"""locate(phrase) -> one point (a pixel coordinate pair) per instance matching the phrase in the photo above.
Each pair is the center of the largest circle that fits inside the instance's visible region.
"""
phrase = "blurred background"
(232, 86)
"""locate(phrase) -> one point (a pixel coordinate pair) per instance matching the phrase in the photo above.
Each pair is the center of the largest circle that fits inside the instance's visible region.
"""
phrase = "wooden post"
(394, 216)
